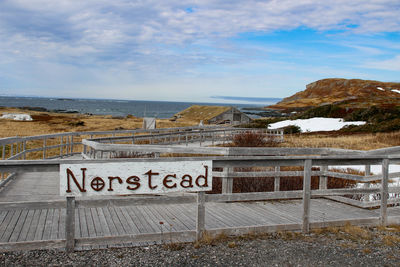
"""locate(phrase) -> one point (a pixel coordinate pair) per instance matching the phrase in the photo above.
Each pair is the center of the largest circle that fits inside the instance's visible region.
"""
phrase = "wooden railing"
(226, 170)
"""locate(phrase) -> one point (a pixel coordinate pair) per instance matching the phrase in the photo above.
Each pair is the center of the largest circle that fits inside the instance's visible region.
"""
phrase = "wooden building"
(213, 115)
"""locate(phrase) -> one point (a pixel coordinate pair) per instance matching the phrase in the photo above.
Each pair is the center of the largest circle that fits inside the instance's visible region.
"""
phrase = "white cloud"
(392, 64)
(94, 43)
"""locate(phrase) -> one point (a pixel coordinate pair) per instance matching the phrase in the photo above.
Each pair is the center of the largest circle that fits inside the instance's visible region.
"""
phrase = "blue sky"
(193, 50)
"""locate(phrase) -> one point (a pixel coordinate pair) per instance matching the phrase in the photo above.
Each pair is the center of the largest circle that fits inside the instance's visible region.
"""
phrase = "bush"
(291, 129)
(76, 123)
(252, 139)
(266, 184)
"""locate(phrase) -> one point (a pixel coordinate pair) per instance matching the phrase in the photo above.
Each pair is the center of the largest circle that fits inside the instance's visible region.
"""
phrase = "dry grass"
(362, 141)
(47, 123)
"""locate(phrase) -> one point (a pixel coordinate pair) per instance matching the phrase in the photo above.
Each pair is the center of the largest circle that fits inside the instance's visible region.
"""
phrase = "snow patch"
(316, 124)
(380, 88)
(396, 91)
(17, 117)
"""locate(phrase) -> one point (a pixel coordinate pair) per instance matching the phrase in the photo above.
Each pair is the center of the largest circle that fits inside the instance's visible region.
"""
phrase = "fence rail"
(227, 165)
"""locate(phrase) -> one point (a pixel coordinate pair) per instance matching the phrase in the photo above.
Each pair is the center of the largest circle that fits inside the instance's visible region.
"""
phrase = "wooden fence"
(227, 164)
(225, 167)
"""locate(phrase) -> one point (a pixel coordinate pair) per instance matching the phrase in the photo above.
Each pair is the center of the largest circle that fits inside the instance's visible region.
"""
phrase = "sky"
(199, 50)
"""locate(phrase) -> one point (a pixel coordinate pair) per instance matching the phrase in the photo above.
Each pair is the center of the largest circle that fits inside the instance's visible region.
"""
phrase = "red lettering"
(110, 179)
(166, 181)
(188, 181)
(205, 177)
(149, 174)
(133, 180)
(97, 184)
(71, 174)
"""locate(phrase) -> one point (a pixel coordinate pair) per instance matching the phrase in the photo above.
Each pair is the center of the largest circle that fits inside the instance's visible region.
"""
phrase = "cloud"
(392, 64)
(131, 42)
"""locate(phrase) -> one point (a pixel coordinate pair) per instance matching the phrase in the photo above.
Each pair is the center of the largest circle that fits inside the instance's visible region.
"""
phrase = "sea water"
(159, 109)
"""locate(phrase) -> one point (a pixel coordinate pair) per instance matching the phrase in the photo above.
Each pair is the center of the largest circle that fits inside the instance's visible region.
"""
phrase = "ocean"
(159, 109)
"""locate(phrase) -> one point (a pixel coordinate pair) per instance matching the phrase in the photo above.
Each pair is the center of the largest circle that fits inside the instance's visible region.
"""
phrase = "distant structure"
(214, 115)
(149, 123)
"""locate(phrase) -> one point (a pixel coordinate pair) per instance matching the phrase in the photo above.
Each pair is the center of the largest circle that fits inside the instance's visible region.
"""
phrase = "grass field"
(45, 123)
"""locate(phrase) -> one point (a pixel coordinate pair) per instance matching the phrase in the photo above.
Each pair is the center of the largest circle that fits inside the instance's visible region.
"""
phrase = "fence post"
(72, 145)
(384, 192)
(306, 195)
(227, 182)
(61, 146)
(70, 225)
(3, 152)
(23, 149)
(323, 180)
(201, 215)
(44, 147)
(277, 179)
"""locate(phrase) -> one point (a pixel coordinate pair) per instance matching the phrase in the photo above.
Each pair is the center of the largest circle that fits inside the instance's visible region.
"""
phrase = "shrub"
(266, 184)
(76, 123)
(252, 139)
(291, 129)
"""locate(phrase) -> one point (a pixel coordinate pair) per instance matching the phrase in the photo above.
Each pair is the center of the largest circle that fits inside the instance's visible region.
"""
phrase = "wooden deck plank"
(90, 222)
(104, 228)
(143, 217)
(90, 226)
(181, 214)
(110, 223)
(210, 211)
(77, 224)
(61, 225)
(3, 215)
(25, 228)
(130, 221)
(244, 214)
(6, 222)
(18, 227)
(224, 212)
(96, 222)
(40, 226)
(54, 224)
(276, 214)
(128, 229)
(83, 223)
(136, 217)
(117, 222)
(250, 211)
(34, 224)
(171, 224)
(48, 224)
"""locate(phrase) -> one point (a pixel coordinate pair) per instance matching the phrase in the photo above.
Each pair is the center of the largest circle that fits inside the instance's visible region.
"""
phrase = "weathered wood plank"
(25, 228)
(102, 229)
(33, 226)
(41, 223)
(18, 227)
(55, 224)
(32, 245)
(110, 222)
(48, 224)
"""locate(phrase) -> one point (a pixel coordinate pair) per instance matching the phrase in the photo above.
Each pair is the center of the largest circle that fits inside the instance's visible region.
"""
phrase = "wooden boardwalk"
(25, 224)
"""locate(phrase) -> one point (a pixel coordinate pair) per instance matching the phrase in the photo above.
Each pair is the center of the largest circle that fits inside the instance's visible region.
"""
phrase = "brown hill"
(353, 93)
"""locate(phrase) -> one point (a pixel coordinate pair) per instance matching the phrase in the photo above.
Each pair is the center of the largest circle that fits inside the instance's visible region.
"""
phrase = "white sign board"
(95, 179)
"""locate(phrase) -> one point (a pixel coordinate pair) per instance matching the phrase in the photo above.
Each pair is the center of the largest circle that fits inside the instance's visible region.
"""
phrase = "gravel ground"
(284, 249)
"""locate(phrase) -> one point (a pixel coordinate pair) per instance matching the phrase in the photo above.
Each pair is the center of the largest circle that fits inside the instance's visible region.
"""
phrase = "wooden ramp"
(27, 224)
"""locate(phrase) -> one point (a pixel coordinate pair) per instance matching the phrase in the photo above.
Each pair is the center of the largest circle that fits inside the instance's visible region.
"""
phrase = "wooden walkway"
(24, 224)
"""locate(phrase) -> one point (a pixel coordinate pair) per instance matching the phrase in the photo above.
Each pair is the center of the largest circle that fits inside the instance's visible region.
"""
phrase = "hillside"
(354, 93)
